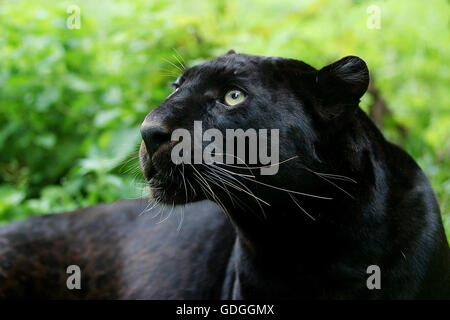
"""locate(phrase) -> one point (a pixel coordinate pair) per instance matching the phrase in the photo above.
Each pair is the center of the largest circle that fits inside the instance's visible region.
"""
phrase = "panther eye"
(234, 97)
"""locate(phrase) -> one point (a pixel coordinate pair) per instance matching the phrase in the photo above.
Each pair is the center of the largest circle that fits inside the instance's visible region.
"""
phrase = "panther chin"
(167, 183)
(166, 191)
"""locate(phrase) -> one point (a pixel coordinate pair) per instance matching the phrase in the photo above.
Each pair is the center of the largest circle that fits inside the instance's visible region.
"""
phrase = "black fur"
(390, 217)
(122, 253)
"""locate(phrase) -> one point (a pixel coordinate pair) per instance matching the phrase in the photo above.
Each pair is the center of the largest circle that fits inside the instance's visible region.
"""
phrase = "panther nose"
(154, 137)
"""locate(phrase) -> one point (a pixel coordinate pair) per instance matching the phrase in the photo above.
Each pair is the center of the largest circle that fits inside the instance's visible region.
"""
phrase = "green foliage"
(71, 100)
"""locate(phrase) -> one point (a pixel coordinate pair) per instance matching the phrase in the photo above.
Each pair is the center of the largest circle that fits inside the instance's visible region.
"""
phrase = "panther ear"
(341, 85)
(230, 52)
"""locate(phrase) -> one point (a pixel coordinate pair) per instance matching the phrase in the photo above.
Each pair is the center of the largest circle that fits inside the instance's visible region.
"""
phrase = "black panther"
(343, 199)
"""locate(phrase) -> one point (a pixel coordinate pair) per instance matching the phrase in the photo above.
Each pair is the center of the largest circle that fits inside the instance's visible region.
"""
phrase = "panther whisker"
(240, 204)
(173, 64)
(235, 173)
(132, 170)
(260, 167)
(184, 182)
(161, 208)
(223, 187)
(236, 187)
(166, 69)
(158, 212)
(330, 182)
(236, 157)
(145, 209)
(178, 53)
(135, 183)
(247, 191)
(212, 192)
(219, 203)
(192, 188)
(127, 161)
(151, 204)
(182, 65)
(330, 175)
(168, 216)
(301, 208)
(181, 218)
(169, 75)
(337, 177)
(224, 181)
(279, 188)
(289, 191)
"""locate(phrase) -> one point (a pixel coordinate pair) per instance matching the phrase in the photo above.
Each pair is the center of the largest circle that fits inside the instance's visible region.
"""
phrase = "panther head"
(315, 111)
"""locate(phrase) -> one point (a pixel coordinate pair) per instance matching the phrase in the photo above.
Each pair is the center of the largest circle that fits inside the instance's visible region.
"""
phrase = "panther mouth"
(167, 183)
(168, 188)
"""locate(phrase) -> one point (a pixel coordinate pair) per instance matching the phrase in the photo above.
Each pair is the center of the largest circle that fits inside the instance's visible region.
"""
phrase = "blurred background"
(73, 92)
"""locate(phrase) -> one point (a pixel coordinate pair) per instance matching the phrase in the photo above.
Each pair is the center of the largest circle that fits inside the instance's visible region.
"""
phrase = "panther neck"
(290, 248)
(301, 243)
